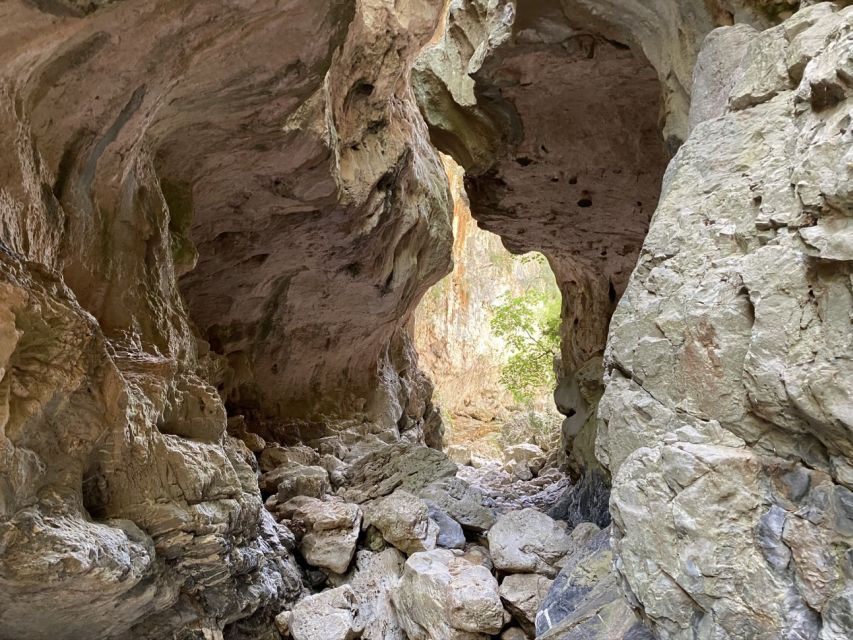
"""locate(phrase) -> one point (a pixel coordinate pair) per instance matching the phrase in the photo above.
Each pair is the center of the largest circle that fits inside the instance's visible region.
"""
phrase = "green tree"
(530, 325)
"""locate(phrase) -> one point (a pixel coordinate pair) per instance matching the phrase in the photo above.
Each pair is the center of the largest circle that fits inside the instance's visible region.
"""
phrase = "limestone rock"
(461, 501)
(585, 600)
(445, 597)
(327, 530)
(330, 615)
(296, 480)
(403, 520)
(450, 534)
(522, 594)
(726, 419)
(528, 541)
(276, 456)
(408, 466)
(372, 578)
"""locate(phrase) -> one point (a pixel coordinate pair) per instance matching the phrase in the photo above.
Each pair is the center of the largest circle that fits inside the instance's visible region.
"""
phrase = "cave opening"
(488, 337)
(564, 132)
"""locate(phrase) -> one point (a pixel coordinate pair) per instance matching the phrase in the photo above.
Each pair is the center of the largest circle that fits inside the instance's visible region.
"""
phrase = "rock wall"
(727, 416)
(228, 204)
(268, 165)
(726, 419)
(558, 130)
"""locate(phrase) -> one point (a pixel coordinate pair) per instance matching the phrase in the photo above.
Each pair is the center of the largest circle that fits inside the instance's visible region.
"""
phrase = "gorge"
(220, 223)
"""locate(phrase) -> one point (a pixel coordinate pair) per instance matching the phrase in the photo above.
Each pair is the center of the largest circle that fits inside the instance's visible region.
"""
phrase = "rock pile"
(407, 549)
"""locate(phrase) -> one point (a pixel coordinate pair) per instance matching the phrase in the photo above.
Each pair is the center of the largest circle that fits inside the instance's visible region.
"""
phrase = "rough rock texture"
(450, 534)
(727, 417)
(585, 600)
(327, 531)
(581, 194)
(528, 541)
(403, 520)
(372, 579)
(462, 502)
(112, 523)
(522, 593)
(330, 615)
(444, 597)
(273, 158)
(409, 467)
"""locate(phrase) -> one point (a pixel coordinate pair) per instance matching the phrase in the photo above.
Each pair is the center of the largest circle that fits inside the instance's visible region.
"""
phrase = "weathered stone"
(330, 615)
(296, 481)
(522, 594)
(450, 534)
(409, 467)
(276, 456)
(461, 501)
(528, 541)
(585, 600)
(403, 520)
(327, 530)
(372, 579)
(445, 597)
(723, 365)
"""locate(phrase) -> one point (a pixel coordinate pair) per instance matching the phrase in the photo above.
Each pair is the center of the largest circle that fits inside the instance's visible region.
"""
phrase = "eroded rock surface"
(727, 415)
(442, 596)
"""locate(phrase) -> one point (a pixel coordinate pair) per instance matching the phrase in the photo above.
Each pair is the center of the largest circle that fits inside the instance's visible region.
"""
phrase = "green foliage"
(530, 325)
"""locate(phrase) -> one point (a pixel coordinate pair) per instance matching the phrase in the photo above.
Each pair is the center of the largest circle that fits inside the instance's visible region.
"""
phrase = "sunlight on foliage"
(529, 323)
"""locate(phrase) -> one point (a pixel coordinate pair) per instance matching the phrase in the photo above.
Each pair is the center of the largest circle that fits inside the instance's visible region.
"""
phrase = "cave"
(225, 229)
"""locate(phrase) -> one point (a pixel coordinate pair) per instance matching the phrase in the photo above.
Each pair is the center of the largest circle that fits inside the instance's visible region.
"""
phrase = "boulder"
(450, 534)
(296, 481)
(327, 530)
(403, 520)
(442, 596)
(275, 456)
(372, 579)
(402, 465)
(522, 593)
(461, 501)
(528, 541)
(585, 600)
(330, 615)
(514, 633)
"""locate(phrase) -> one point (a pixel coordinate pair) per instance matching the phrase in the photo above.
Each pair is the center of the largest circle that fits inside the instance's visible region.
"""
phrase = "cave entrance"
(488, 335)
(560, 130)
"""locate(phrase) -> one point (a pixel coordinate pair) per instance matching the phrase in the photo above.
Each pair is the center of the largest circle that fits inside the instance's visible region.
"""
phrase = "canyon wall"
(221, 215)
(727, 416)
(195, 201)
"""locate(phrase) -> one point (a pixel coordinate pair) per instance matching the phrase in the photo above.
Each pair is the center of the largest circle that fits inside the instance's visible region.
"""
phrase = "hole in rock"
(488, 336)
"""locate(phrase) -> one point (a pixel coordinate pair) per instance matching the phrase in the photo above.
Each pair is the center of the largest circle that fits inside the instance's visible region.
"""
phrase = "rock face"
(444, 597)
(217, 218)
(254, 162)
(585, 600)
(727, 417)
